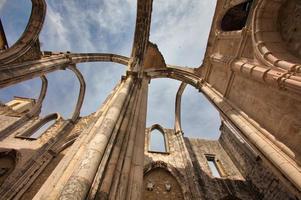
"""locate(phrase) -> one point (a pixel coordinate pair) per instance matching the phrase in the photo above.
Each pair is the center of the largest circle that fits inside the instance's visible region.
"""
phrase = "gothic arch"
(33, 112)
(269, 46)
(178, 126)
(82, 90)
(164, 135)
(52, 62)
(227, 110)
(29, 38)
(172, 170)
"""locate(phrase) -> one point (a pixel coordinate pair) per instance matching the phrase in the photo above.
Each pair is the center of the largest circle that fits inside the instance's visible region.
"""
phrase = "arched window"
(236, 17)
(38, 128)
(157, 141)
(10, 22)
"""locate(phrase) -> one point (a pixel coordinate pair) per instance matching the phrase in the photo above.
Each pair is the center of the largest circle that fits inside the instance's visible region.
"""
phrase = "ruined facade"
(251, 73)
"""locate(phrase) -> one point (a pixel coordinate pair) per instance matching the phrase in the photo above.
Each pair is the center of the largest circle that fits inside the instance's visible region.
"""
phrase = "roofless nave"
(251, 74)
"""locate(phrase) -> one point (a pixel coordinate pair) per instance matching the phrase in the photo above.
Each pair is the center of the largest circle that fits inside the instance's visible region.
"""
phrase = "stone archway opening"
(27, 89)
(14, 16)
(100, 83)
(199, 118)
(157, 141)
(158, 183)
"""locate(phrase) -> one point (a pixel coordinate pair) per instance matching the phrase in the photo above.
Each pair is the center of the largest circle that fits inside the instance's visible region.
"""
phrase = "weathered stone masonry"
(250, 73)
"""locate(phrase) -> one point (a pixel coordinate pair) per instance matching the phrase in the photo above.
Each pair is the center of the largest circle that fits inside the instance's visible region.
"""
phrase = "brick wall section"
(231, 184)
(254, 169)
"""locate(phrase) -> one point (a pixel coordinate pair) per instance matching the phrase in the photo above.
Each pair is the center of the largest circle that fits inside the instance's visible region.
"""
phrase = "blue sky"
(179, 30)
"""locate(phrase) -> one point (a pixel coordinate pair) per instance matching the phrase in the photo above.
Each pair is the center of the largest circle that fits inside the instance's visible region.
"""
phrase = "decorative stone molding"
(269, 46)
(15, 73)
(173, 171)
(178, 127)
(81, 96)
(142, 31)
(30, 36)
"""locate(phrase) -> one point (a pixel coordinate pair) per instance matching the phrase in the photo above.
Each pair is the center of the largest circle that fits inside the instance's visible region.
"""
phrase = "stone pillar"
(135, 182)
(78, 185)
(107, 160)
(124, 175)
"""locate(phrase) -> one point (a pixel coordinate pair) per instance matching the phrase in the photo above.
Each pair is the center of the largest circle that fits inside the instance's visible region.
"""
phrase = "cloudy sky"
(179, 28)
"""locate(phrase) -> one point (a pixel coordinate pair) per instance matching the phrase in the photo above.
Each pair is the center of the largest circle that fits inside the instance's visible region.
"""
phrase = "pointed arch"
(236, 17)
(29, 38)
(270, 36)
(158, 141)
(30, 114)
(227, 110)
(172, 171)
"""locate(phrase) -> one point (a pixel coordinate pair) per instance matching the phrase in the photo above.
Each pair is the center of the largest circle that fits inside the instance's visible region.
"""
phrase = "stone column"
(124, 174)
(108, 159)
(135, 182)
(78, 185)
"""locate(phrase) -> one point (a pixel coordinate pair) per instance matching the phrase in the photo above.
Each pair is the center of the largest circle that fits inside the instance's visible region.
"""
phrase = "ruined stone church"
(251, 73)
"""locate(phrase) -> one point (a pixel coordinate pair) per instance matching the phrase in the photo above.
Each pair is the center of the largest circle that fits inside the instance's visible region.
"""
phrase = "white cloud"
(179, 28)
(54, 34)
(68, 28)
(2, 3)
(181, 32)
(102, 27)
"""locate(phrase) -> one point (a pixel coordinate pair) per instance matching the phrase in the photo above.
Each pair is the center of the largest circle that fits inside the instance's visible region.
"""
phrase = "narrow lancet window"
(157, 141)
(213, 166)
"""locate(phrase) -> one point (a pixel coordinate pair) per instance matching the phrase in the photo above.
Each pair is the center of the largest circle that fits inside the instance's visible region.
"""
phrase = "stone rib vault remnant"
(251, 73)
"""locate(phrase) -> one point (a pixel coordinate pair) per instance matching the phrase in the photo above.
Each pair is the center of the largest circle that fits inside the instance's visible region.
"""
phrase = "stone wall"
(59, 150)
(35, 158)
(174, 161)
(230, 184)
(255, 170)
(160, 183)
